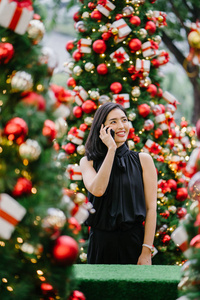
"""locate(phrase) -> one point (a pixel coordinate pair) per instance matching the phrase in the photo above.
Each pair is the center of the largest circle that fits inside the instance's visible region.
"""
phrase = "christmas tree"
(116, 57)
(38, 235)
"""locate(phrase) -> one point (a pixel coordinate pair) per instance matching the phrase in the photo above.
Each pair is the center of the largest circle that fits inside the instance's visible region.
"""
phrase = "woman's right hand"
(106, 137)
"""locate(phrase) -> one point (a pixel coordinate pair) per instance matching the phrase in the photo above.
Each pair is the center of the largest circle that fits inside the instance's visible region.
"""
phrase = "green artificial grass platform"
(128, 282)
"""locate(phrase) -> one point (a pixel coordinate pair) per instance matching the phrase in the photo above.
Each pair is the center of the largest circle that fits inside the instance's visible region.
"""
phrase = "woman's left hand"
(144, 259)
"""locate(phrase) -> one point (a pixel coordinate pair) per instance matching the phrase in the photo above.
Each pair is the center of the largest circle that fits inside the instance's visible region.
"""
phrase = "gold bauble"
(79, 198)
(36, 31)
(21, 81)
(30, 150)
(135, 91)
(81, 149)
(114, 31)
(88, 121)
(131, 144)
(194, 39)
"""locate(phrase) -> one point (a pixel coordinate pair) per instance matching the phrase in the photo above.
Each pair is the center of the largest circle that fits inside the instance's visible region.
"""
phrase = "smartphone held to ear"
(111, 132)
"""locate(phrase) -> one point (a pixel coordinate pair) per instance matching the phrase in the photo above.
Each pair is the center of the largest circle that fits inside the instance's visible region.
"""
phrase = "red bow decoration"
(73, 131)
(164, 186)
(119, 56)
(155, 148)
(102, 2)
(120, 100)
(24, 4)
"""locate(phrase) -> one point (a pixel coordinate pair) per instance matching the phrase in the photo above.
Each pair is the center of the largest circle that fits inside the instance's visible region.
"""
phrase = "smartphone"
(111, 132)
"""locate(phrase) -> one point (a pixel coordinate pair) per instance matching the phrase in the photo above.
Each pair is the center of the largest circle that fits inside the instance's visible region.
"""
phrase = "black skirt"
(115, 247)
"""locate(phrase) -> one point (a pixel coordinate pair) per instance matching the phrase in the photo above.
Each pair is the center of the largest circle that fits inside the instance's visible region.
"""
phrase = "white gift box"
(84, 45)
(14, 17)
(80, 95)
(73, 172)
(122, 99)
(169, 98)
(157, 16)
(149, 144)
(148, 49)
(185, 141)
(81, 215)
(106, 9)
(142, 65)
(11, 212)
(163, 57)
(180, 238)
(119, 56)
(62, 111)
(76, 136)
(123, 28)
(161, 120)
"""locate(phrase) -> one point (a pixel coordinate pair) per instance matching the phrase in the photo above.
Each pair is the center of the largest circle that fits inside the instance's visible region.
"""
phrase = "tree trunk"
(196, 108)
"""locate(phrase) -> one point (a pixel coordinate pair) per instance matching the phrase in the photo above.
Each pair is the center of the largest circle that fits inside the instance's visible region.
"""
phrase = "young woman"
(122, 186)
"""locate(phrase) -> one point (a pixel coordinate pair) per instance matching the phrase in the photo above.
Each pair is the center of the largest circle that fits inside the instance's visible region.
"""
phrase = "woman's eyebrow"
(117, 118)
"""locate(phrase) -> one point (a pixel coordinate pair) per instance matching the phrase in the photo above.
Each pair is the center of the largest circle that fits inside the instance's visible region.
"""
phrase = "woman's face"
(117, 120)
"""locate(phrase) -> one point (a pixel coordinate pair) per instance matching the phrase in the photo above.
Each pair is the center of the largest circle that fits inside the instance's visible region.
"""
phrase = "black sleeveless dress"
(117, 230)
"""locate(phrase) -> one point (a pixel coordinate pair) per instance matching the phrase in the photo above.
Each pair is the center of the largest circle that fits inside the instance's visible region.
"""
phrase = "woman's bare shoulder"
(84, 161)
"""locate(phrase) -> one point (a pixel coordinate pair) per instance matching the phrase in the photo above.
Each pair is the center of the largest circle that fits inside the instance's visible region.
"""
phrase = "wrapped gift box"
(143, 65)
(76, 136)
(73, 172)
(123, 29)
(11, 213)
(161, 120)
(122, 99)
(15, 16)
(84, 45)
(149, 49)
(119, 56)
(170, 98)
(160, 18)
(180, 238)
(106, 7)
(163, 57)
(80, 95)
(152, 147)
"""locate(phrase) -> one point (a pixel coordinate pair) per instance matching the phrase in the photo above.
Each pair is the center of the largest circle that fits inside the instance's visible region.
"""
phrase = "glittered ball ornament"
(116, 87)
(94, 95)
(102, 69)
(91, 5)
(156, 109)
(135, 45)
(181, 212)
(89, 66)
(23, 186)
(127, 11)
(60, 127)
(77, 70)
(30, 150)
(148, 125)
(142, 33)
(172, 184)
(69, 46)
(88, 121)
(135, 20)
(65, 250)
(21, 81)
(54, 221)
(6, 52)
(77, 55)
(81, 149)
(96, 15)
(194, 186)
(83, 127)
(136, 91)
(88, 106)
(36, 31)
(99, 46)
(16, 130)
(150, 27)
(71, 82)
(80, 26)
(144, 110)
(69, 148)
(181, 194)
(77, 112)
(106, 35)
(152, 90)
(103, 99)
(158, 133)
(194, 39)
(77, 16)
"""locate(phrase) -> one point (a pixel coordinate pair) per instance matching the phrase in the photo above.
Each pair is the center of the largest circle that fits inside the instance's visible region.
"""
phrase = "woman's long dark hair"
(94, 148)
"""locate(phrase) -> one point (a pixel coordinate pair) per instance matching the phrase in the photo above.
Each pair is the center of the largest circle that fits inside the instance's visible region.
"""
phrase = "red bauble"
(69, 46)
(77, 16)
(23, 186)
(34, 99)
(150, 27)
(6, 52)
(152, 90)
(69, 148)
(172, 184)
(157, 133)
(83, 127)
(181, 194)
(136, 139)
(65, 250)
(144, 110)
(76, 295)
(102, 69)
(91, 5)
(160, 92)
(71, 82)
(47, 290)
(131, 133)
(155, 62)
(74, 225)
(116, 87)
(106, 35)
(99, 46)
(165, 214)
(184, 124)
(96, 15)
(181, 212)
(16, 129)
(118, 16)
(166, 239)
(170, 142)
(135, 45)
(135, 20)
(49, 130)
(77, 112)
(88, 106)
(77, 55)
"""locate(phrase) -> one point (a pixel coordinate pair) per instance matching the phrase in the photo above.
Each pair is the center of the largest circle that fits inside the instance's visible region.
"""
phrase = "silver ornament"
(30, 150)
(127, 11)
(61, 127)
(103, 29)
(103, 99)
(132, 116)
(21, 81)
(157, 39)
(135, 91)
(149, 14)
(89, 66)
(85, 15)
(77, 70)
(94, 95)
(55, 219)
(80, 26)
(36, 31)
(88, 121)
(143, 33)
